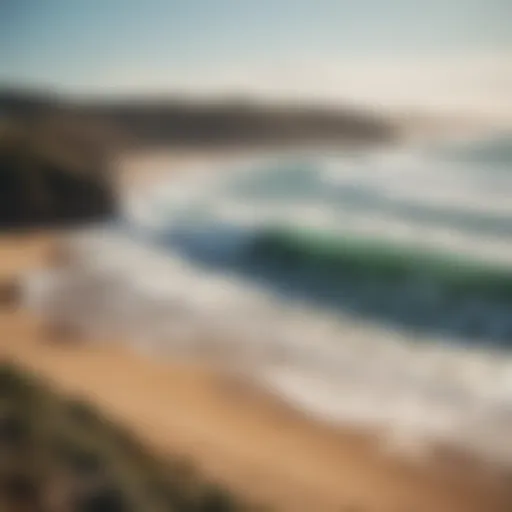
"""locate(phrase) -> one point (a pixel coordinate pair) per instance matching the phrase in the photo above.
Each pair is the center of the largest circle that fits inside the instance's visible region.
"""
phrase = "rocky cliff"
(51, 175)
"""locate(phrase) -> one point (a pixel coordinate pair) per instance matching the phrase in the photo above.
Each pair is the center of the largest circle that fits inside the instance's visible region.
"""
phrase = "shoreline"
(249, 442)
(435, 394)
(257, 446)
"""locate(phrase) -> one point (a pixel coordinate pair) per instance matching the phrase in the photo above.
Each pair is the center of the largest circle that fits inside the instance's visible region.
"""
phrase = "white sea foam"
(335, 366)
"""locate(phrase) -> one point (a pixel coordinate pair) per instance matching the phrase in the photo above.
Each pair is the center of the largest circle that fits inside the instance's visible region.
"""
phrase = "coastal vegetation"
(60, 454)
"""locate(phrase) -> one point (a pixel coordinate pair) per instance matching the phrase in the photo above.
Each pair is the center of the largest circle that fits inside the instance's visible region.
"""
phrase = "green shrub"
(69, 440)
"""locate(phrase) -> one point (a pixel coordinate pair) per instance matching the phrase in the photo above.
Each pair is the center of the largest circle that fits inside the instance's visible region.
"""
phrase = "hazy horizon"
(442, 56)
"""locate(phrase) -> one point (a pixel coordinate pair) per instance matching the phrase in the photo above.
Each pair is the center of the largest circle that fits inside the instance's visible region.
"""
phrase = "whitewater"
(189, 270)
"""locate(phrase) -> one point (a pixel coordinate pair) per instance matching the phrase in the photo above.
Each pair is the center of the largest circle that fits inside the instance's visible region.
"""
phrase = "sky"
(392, 53)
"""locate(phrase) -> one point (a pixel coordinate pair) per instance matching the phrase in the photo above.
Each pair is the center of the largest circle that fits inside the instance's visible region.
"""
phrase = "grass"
(50, 442)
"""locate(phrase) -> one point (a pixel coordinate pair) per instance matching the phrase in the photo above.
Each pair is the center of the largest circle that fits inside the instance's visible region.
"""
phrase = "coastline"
(249, 441)
(255, 446)
(245, 440)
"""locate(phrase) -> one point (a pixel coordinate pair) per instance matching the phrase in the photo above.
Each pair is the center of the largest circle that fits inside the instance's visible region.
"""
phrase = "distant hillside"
(172, 121)
(55, 153)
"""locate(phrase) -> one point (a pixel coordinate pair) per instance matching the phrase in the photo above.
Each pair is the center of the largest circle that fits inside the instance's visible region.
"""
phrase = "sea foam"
(170, 281)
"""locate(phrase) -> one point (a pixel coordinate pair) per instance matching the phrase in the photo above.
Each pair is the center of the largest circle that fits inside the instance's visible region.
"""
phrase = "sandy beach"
(258, 448)
(263, 245)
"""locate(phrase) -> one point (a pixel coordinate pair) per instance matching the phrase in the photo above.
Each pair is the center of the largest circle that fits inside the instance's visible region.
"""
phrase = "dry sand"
(252, 444)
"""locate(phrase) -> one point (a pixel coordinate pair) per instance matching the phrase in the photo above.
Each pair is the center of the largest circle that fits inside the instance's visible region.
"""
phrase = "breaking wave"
(366, 288)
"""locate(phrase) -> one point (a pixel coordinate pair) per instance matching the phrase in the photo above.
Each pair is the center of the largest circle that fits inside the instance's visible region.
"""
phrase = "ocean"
(370, 288)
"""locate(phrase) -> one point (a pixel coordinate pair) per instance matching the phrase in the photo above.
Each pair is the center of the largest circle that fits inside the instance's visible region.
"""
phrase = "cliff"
(51, 175)
(171, 121)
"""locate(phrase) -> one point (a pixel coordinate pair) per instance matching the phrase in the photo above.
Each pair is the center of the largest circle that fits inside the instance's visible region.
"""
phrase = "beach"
(259, 448)
(256, 256)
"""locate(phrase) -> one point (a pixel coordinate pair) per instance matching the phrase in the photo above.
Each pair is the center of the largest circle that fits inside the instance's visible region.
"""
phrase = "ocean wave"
(339, 368)
(382, 261)
(372, 288)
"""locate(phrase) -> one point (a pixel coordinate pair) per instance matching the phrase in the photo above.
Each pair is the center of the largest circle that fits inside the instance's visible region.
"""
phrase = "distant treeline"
(175, 121)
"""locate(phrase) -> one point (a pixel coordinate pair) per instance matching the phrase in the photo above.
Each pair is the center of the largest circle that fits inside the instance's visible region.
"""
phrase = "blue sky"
(262, 47)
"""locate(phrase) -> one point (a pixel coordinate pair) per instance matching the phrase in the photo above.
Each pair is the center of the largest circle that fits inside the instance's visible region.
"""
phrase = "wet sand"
(255, 446)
